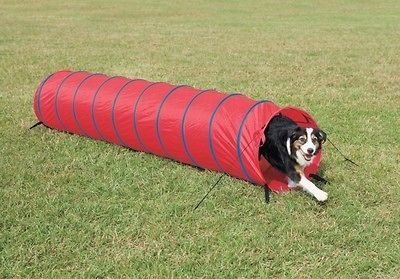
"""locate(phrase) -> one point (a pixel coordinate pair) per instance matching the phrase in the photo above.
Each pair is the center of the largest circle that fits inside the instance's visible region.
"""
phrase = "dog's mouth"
(306, 156)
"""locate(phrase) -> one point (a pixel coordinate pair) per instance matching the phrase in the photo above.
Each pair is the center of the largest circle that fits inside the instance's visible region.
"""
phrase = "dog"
(291, 148)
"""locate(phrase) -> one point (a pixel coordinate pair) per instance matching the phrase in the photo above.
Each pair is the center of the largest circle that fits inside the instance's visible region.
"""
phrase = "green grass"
(74, 207)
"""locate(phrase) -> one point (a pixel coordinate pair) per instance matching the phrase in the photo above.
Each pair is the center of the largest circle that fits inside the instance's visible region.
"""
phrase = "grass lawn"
(74, 207)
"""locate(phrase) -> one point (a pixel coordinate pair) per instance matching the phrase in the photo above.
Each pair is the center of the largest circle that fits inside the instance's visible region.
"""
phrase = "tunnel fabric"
(203, 128)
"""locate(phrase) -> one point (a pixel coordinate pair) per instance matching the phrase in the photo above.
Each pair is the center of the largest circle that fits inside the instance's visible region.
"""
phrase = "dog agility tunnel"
(204, 128)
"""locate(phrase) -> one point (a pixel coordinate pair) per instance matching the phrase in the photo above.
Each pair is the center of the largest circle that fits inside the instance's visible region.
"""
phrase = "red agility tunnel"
(203, 128)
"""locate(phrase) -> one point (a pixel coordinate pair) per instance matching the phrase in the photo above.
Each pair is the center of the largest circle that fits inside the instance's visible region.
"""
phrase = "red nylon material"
(204, 128)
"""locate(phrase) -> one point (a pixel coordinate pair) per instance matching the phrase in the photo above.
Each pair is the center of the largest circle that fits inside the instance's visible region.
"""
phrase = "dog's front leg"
(309, 187)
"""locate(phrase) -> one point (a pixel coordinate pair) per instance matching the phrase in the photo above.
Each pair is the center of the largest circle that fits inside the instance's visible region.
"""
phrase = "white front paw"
(292, 185)
(321, 196)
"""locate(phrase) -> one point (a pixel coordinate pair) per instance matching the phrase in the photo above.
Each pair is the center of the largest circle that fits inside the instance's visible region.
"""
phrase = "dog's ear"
(321, 135)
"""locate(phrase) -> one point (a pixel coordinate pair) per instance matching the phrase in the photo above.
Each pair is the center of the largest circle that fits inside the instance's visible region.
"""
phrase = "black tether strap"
(319, 178)
(209, 191)
(219, 179)
(267, 193)
(345, 158)
(37, 124)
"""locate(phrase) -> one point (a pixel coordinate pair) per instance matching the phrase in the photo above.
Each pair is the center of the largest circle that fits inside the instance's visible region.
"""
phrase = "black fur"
(279, 129)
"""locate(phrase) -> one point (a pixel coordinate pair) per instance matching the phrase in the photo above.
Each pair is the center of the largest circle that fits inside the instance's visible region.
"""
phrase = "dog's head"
(304, 143)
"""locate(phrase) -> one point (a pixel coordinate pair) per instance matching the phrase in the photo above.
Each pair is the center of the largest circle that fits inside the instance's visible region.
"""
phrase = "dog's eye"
(302, 139)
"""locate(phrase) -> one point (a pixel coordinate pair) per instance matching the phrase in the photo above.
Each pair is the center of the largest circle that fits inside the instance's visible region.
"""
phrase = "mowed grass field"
(75, 207)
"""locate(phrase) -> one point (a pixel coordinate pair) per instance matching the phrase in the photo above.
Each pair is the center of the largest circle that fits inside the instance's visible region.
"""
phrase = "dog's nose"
(310, 151)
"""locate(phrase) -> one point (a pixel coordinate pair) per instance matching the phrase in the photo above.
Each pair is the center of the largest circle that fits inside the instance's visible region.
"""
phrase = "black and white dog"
(290, 149)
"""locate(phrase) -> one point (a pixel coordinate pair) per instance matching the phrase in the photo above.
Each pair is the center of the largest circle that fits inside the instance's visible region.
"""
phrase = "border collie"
(290, 149)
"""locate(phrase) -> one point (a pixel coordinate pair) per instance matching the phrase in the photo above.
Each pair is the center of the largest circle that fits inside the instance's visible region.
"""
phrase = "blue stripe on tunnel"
(94, 102)
(113, 111)
(73, 102)
(56, 98)
(134, 116)
(210, 143)
(38, 96)
(183, 126)
(158, 118)
(239, 137)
